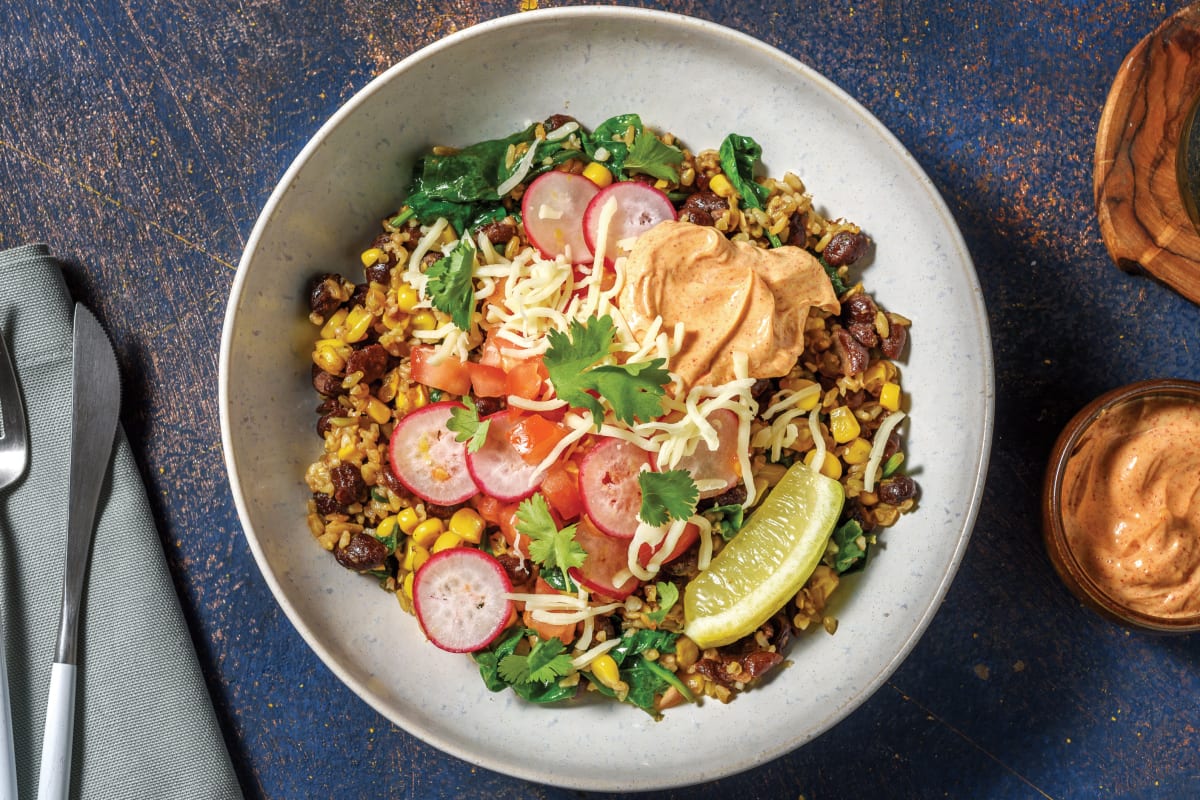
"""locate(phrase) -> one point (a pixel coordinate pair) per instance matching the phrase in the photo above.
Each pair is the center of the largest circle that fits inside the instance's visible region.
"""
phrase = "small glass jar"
(1081, 574)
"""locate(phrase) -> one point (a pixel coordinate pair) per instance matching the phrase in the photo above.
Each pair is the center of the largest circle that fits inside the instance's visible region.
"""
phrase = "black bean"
(348, 484)
(326, 504)
(371, 360)
(326, 383)
(325, 294)
(736, 495)
(854, 357)
(499, 232)
(896, 490)
(893, 343)
(486, 406)
(845, 248)
(859, 308)
(363, 552)
(797, 229)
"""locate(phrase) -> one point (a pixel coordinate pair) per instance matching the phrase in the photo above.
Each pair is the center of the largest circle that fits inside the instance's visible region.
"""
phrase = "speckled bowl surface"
(592, 63)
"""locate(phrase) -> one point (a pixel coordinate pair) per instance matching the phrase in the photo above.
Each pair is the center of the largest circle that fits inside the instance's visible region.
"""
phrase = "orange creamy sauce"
(730, 296)
(1131, 505)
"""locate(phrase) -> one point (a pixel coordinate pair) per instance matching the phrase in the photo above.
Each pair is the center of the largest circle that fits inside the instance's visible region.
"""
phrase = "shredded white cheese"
(814, 427)
(521, 170)
(583, 659)
(877, 447)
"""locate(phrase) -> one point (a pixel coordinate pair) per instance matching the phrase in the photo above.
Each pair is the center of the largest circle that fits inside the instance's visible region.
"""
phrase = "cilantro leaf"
(668, 595)
(450, 287)
(634, 391)
(466, 426)
(550, 547)
(667, 495)
(651, 156)
(835, 278)
(545, 662)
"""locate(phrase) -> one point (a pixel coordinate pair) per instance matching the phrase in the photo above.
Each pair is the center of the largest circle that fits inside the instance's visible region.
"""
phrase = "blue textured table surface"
(140, 140)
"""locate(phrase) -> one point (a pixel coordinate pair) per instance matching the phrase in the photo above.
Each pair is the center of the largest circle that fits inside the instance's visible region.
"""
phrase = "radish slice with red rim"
(606, 557)
(460, 597)
(608, 486)
(426, 458)
(497, 468)
(721, 464)
(552, 210)
(638, 207)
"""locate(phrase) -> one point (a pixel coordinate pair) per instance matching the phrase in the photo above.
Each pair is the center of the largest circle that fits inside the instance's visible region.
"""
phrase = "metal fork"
(14, 455)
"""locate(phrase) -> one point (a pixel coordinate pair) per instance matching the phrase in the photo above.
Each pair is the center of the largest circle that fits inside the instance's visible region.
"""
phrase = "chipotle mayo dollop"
(730, 296)
(1131, 505)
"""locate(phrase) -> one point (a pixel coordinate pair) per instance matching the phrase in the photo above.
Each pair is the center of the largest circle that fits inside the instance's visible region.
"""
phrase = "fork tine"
(13, 450)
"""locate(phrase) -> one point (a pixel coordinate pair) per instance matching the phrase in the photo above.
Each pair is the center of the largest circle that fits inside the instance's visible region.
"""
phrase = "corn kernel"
(335, 321)
(467, 524)
(843, 425)
(358, 322)
(371, 256)
(408, 520)
(889, 396)
(420, 397)
(408, 585)
(427, 532)
(446, 541)
(378, 411)
(604, 669)
(424, 321)
(407, 297)
(661, 184)
(345, 451)
(448, 235)
(414, 556)
(810, 402)
(721, 185)
(598, 174)
(858, 452)
(386, 527)
(831, 467)
(329, 359)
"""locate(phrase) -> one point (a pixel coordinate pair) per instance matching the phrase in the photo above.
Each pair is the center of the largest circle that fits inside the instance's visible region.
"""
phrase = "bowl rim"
(1070, 571)
(695, 25)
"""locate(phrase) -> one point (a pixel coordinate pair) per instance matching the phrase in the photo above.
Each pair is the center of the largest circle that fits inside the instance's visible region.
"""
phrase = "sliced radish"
(608, 486)
(460, 596)
(606, 557)
(721, 464)
(426, 458)
(638, 208)
(497, 468)
(552, 209)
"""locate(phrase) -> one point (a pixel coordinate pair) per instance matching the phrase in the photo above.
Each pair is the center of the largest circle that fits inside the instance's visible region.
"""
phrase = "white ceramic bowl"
(485, 82)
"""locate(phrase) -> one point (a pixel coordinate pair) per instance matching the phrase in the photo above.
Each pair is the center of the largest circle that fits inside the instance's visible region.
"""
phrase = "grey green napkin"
(145, 726)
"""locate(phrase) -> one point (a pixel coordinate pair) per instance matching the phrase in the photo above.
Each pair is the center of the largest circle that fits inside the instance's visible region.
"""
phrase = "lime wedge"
(767, 562)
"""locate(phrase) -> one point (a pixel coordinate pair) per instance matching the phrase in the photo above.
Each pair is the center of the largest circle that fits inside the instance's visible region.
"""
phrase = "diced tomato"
(449, 374)
(524, 378)
(688, 538)
(486, 381)
(534, 436)
(488, 507)
(560, 487)
(547, 630)
(507, 519)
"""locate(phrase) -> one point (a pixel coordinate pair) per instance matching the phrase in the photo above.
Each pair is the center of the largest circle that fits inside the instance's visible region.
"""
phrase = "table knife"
(95, 403)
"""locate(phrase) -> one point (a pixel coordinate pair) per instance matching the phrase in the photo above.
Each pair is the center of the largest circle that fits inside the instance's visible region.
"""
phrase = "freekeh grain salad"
(606, 414)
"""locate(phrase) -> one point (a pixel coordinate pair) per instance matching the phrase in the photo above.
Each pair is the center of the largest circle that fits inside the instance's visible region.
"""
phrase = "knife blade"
(95, 404)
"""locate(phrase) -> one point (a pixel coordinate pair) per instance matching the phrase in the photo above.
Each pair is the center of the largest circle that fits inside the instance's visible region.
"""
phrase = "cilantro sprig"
(449, 285)
(649, 155)
(666, 496)
(634, 391)
(545, 662)
(466, 426)
(550, 546)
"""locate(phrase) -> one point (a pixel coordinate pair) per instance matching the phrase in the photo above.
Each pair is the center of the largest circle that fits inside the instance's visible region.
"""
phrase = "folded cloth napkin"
(144, 726)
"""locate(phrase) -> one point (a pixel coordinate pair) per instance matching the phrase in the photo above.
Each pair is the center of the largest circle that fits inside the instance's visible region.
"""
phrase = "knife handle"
(55, 779)
(8, 759)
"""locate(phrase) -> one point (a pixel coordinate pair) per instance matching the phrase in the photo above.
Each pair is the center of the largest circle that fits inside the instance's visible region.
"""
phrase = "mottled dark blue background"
(140, 140)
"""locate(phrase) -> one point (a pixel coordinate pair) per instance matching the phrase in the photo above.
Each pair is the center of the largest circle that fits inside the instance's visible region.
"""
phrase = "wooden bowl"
(1147, 217)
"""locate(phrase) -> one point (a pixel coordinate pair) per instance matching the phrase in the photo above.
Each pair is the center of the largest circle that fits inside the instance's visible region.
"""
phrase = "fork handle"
(8, 759)
(55, 779)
